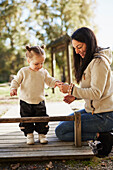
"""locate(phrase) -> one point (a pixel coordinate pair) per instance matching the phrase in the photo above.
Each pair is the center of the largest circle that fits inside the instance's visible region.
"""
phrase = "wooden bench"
(76, 118)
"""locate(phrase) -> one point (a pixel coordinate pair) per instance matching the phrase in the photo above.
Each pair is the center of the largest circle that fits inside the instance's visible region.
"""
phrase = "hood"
(106, 53)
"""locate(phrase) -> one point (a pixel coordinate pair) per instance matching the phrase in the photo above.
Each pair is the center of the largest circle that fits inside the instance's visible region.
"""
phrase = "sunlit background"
(104, 21)
(36, 22)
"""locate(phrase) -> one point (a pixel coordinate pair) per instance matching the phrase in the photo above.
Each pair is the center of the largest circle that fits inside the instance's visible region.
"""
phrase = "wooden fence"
(76, 118)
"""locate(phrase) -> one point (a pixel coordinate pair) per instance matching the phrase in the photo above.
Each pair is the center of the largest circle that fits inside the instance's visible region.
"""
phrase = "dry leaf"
(50, 165)
(63, 161)
(15, 166)
(103, 164)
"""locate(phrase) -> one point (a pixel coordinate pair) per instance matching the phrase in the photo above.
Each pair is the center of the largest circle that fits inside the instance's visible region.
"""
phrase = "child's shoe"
(30, 139)
(43, 139)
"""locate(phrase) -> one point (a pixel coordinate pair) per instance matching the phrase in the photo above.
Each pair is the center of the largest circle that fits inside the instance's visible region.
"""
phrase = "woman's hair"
(84, 35)
(36, 49)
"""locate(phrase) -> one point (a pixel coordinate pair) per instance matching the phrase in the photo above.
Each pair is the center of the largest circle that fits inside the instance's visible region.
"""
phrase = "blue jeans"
(90, 126)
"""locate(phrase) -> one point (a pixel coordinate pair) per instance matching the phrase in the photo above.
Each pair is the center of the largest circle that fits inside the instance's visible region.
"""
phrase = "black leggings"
(33, 110)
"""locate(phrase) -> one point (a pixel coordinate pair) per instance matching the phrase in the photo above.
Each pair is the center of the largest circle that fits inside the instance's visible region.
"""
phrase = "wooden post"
(68, 63)
(77, 129)
(52, 64)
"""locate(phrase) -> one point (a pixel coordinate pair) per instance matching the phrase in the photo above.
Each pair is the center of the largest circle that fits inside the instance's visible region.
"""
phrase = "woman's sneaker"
(30, 139)
(102, 146)
(43, 139)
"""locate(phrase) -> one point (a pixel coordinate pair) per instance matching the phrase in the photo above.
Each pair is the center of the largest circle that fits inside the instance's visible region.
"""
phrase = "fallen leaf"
(103, 164)
(15, 166)
(50, 165)
(63, 161)
(47, 168)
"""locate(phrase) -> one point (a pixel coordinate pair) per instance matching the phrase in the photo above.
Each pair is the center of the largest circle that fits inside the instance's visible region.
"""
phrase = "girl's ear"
(28, 60)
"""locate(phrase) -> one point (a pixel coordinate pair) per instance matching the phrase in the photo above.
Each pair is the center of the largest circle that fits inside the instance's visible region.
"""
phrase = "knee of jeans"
(57, 131)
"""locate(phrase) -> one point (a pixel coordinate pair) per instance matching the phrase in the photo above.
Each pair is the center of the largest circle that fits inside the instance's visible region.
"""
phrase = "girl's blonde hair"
(38, 50)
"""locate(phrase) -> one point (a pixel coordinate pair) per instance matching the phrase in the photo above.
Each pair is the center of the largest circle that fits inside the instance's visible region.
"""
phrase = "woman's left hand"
(69, 99)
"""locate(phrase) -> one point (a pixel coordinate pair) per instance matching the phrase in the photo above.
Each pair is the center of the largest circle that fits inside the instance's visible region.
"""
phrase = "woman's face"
(80, 48)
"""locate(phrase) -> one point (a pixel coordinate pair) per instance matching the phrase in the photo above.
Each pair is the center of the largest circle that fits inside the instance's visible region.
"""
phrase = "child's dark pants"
(33, 110)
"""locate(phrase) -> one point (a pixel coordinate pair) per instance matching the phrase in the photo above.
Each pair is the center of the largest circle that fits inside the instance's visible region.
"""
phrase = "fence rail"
(76, 118)
(36, 119)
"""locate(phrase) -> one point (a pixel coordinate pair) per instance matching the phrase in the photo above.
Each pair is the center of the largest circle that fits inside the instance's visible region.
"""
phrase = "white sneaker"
(30, 139)
(43, 139)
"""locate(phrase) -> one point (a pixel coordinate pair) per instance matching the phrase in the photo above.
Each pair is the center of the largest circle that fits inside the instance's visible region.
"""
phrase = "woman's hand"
(64, 88)
(69, 99)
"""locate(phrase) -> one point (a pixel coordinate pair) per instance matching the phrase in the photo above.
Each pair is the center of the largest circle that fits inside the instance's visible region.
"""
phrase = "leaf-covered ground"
(92, 164)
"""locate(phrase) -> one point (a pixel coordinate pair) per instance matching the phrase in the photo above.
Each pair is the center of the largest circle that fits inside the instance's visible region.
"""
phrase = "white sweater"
(97, 84)
(32, 84)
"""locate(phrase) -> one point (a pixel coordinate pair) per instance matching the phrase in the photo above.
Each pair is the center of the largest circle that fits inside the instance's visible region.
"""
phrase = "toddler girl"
(31, 80)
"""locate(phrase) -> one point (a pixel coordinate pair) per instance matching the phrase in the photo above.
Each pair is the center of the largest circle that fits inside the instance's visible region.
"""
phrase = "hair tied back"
(28, 48)
(43, 46)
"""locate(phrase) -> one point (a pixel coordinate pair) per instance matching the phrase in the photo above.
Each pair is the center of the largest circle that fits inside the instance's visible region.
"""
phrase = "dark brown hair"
(84, 35)
(36, 49)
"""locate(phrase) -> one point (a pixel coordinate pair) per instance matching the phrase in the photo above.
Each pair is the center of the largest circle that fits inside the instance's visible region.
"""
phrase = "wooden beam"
(36, 119)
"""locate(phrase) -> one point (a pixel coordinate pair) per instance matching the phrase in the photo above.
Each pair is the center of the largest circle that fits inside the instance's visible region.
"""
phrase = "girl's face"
(80, 48)
(36, 63)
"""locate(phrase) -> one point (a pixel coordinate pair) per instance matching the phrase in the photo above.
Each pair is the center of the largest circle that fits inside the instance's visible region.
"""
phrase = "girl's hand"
(69, 99)
(58, 83)
(13, 92)
(64, 88)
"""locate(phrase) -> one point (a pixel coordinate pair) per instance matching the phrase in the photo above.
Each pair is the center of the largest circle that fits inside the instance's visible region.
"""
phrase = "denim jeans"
(90, 126)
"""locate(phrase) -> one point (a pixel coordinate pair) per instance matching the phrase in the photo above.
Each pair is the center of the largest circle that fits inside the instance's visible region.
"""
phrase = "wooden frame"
(61, 44)
(76, 118)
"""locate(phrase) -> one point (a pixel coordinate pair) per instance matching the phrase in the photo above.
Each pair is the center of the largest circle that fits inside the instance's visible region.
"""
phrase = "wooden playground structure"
(13, 145)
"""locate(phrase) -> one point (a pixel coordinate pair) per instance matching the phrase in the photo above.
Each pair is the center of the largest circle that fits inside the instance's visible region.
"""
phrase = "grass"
(91, 163)
(57, 96)
(5, 97)
(5, 91)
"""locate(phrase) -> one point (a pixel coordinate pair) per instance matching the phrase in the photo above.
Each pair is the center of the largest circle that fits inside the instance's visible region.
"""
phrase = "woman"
(93, 73)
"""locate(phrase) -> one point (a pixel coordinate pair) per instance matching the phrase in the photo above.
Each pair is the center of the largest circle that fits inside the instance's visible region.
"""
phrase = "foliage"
(60, 17)
(24, 22)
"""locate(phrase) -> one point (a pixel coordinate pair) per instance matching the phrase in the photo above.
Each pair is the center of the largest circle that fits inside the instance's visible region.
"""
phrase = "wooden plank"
(16, 140)
(13, 146)
(36, 119)
(42, 148)
(45, 153)
(20, 134)
(50, 144)
(46, 158)
(24, 145)
(13, 136)
(59, 157)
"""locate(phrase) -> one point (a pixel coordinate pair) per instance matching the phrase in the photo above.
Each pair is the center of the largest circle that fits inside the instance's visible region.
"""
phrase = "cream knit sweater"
(97, 84)
(32, 84)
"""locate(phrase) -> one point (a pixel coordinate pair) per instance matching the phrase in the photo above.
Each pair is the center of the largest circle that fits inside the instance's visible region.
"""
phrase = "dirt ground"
(92, 164)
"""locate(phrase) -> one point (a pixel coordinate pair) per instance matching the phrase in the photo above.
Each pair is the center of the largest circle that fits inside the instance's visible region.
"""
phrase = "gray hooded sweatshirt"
(96, 86)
